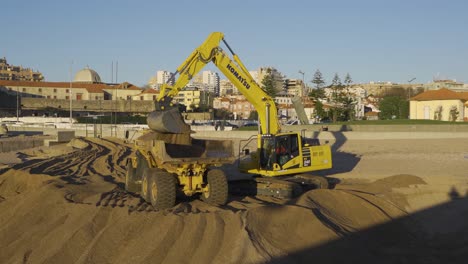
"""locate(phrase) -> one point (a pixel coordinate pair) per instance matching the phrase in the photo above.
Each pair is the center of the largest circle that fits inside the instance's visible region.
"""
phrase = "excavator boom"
(164, 120)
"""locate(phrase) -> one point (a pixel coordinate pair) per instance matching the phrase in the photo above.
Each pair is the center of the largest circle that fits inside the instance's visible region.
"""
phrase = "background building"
(442, 104)
(161, 77)
(18, 73)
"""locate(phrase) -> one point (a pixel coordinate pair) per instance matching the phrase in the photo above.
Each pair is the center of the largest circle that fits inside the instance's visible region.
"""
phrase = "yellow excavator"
(281, 159)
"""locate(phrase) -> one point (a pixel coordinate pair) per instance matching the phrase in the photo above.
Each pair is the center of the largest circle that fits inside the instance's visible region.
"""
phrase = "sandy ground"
(395, 201)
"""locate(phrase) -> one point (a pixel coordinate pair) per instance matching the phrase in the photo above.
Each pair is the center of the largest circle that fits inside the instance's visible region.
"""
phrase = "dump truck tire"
(145, 185)
(217, 193)
(131, 184)
(162, 189)
(142, 165)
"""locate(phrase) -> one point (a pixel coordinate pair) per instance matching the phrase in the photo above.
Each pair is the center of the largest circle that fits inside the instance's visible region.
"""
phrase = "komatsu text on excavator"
(281, 159)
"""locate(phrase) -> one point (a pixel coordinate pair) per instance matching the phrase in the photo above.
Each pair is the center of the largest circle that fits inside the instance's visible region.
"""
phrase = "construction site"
(281, 194)
(392, 200)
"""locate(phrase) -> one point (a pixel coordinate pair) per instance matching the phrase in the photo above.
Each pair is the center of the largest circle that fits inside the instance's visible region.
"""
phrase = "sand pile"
(71, 208)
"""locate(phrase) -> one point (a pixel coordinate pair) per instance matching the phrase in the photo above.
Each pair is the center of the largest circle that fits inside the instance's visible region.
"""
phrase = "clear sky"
(373, 40)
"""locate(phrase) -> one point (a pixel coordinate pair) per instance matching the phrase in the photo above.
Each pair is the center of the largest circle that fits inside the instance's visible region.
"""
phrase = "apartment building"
(236, 104)
(18, 73)
(193, 97)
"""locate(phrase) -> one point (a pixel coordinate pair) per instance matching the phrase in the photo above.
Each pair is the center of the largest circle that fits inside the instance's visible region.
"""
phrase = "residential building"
(207, 81)
(378, 88)
(449, 84)
(227, 88)
(146, 95)
(18, 73)
(442, 104)
(193, 97)
(295, 87)
(236, 104)
(277, 76)
(160, 78)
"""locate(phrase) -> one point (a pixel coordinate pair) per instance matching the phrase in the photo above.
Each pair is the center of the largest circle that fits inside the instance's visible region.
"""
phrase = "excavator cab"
(285, 154)
(278, 150)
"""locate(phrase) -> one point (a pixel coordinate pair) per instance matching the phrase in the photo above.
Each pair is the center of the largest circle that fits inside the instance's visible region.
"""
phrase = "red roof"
(150, 91)
(90, 87)
(441, 94)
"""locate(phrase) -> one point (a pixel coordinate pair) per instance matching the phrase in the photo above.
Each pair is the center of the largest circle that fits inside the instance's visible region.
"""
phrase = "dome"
(87, 75)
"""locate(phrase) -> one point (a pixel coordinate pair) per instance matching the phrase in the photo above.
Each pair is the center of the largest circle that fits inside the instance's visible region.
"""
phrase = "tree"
(268, 85)
(318, 79)
(393, 107)
(319, 111)
(348, 81)
(253, 115)
(317, 94)
(438, 113)
(336, 82)
(221, 113)
(347, 107)
(453, 113)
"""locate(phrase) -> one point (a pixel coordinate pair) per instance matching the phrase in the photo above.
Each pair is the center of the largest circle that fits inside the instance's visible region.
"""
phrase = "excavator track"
(285, 188)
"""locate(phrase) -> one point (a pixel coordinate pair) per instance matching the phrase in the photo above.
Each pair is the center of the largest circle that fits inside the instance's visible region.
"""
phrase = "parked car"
(292, 122)
(250, 124)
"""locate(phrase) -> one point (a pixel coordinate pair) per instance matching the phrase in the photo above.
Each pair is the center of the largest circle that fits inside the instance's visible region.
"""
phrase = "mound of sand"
(71, 208)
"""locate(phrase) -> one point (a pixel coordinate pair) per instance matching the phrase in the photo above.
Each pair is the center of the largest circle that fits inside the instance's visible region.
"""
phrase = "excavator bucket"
(167, 121)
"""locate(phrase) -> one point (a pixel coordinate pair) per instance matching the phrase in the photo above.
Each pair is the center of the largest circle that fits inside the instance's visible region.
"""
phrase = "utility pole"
(70, 94)
(304, 90)
(17, 104)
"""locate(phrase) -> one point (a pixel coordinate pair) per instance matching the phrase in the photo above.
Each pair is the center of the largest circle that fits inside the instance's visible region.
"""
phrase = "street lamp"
(410, 89)
(303, 83)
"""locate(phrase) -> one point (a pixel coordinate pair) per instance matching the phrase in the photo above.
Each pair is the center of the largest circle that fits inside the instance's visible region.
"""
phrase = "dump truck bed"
(171, 149)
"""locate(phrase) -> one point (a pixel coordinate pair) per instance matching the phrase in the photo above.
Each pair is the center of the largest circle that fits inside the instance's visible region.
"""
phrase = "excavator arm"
(233, 69)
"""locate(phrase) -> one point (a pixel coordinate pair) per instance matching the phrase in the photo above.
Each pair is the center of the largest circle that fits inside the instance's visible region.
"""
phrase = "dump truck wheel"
(319, 182)
(145, 185)
(217, 193)
(161, 189)
(130, 178)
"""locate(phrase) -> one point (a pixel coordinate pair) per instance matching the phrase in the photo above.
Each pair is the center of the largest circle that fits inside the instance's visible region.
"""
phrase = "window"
(40, 90)
(55, 97)
(154, 97)
(24, 89)
(141, 98)
(67, 90)
(55, 90)
(67, 97)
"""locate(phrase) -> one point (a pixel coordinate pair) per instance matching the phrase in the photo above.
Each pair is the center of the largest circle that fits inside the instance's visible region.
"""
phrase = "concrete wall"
(19, 143)
(85, 105)
(368, 132)
(381, 128)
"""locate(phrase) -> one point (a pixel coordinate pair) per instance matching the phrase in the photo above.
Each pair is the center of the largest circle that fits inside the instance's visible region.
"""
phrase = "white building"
(210, 81)
(226, 87)
(162, 77)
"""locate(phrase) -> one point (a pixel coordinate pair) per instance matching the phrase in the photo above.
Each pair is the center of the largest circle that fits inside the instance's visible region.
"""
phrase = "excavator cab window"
(268, 155)
(278, 150)
(287, 147)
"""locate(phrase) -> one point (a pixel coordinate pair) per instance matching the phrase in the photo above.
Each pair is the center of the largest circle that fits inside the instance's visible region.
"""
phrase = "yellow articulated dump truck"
(168, 159)
(167, 164)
